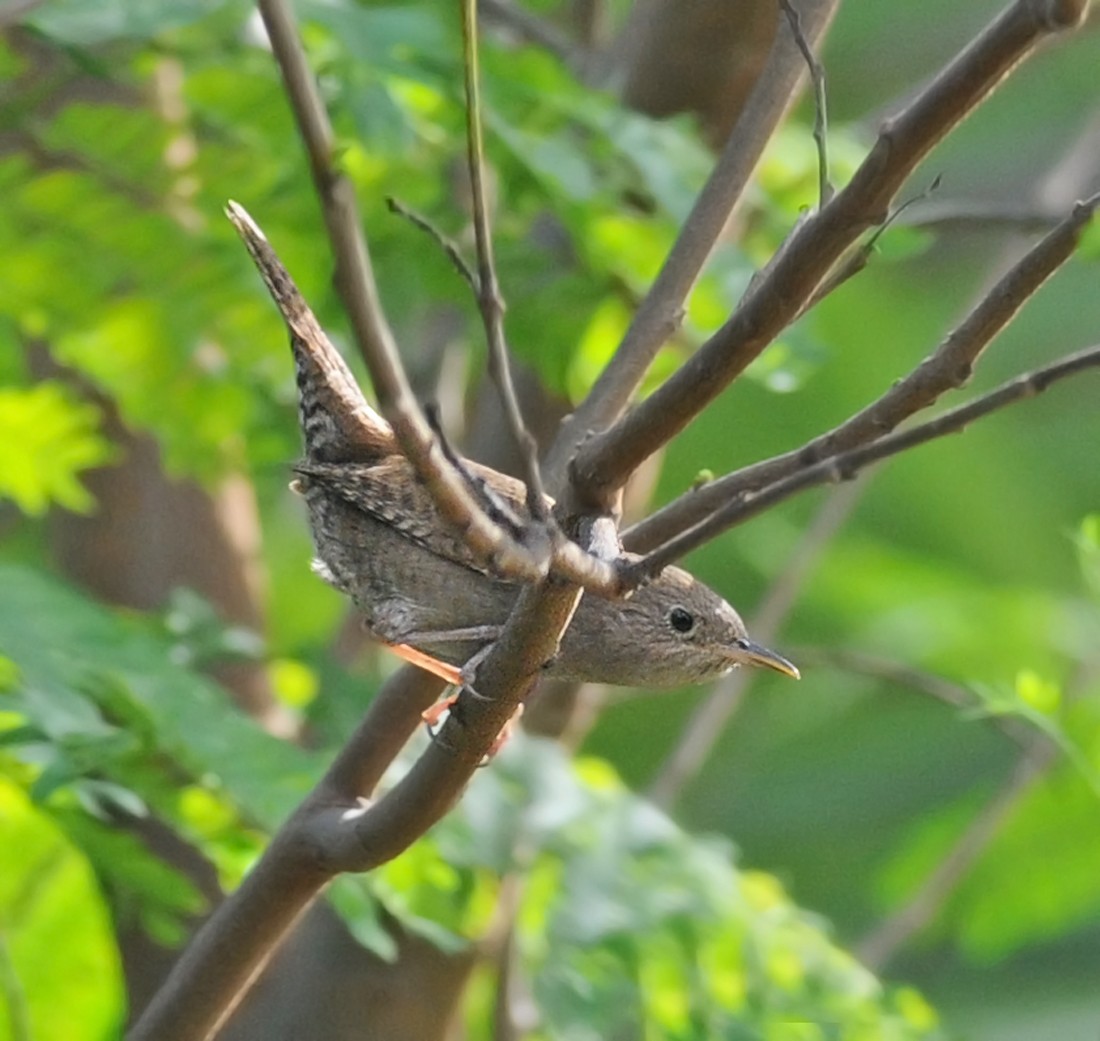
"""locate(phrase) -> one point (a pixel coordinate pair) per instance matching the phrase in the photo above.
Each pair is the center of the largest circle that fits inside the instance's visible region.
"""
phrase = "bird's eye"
(681, 620)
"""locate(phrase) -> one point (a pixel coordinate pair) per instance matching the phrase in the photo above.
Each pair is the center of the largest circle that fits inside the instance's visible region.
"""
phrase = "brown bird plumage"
(380, 540)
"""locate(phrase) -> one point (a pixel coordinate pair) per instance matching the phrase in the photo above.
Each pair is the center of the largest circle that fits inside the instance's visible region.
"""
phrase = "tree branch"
(604, 462)
(948, 367)
(821, 119)
(231, 949)
(359, 294)
(846, 465)
(490, 302)
(661, 311)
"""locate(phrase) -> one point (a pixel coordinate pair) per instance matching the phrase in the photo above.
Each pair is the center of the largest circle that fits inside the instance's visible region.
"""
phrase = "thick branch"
(846, 465)
(337, 828)
(659, 314)
(605, 461)
(231, 949)
(359, 842)
(948, 367)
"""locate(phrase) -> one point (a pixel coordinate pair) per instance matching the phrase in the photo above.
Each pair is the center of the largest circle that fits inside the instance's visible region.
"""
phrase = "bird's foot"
(434, 715)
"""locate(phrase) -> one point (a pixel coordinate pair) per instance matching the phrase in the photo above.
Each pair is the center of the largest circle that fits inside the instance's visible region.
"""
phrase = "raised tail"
(337, 423)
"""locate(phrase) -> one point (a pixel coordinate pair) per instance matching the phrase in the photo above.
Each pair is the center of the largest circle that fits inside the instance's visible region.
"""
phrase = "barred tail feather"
(337, 423)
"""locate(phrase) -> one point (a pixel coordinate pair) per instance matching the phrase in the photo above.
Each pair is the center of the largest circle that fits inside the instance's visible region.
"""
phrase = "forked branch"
(659, 314)
(542, 552)
(845, 465)
(949, 366)
(605, 461)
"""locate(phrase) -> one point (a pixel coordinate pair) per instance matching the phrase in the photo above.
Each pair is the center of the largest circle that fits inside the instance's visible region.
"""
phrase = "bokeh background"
(174, 676)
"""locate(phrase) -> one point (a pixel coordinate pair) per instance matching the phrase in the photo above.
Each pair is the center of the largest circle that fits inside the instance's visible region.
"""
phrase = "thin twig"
(490, 301)
(450, 248)
(660, 312)
(604, 462)
(498, 510)
(359, 294)
(821, 120)
(846, 465)
(857, 259)
(709, 720)
(1029, 219)
(948, 367)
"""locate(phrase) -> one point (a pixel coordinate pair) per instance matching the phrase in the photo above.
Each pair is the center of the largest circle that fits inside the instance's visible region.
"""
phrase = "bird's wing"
(390, 491)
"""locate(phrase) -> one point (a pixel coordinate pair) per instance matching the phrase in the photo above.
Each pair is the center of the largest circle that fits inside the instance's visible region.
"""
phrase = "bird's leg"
(457, 678)
(433, 715)
(444, 670)
(480, 634)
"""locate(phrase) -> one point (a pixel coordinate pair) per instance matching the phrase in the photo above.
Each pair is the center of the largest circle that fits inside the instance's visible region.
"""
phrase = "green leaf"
(94, 657)
(48, 437)
(55, 933)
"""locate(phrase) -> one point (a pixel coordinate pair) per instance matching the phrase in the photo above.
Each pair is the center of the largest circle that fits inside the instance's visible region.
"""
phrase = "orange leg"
(453, 675)
(445, 671)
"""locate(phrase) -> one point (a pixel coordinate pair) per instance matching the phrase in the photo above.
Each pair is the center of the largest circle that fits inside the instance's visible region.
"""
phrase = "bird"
(380, 539)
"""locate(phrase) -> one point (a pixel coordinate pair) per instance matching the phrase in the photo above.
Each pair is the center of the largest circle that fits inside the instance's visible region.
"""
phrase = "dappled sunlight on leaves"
(48, 437)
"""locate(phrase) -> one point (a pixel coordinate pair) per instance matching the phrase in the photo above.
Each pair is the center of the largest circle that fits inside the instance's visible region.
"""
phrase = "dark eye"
(680, 620)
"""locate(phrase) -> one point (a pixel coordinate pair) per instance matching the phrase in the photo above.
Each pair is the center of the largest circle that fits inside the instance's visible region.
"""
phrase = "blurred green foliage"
(133, 122)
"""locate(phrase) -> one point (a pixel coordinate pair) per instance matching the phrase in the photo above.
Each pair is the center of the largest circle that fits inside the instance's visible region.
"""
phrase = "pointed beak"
(754, 654)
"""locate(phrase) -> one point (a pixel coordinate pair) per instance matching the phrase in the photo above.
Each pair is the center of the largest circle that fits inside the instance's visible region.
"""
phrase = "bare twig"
(660, 313)
(604, 462)
(858, 258)
(709, 721)
(948, 367)
(498, 510)
(359, 294)
(450, 249)
(821, 119)
(846, 465)
(490, 302)
(984, 213)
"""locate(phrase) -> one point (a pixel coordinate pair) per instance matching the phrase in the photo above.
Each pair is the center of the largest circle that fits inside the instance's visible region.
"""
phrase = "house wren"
(380, 540)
